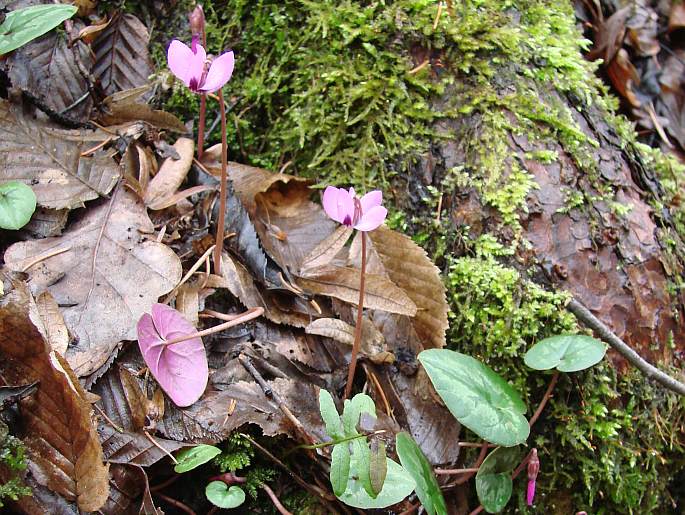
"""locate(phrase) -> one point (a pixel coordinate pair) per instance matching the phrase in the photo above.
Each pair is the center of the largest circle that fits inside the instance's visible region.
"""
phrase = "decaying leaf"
(343, 283)
(409, 267)
(372, 344)
(56, 332)
(46, 223)
(134, 448)
(126, 106)
(170, 175)
(122, 60)
(49, 160)
(325, 251)
(101, 304)
(62, 442)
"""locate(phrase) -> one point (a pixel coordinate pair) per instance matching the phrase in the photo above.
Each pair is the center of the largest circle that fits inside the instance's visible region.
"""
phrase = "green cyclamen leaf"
(398, 485)
(493, 480)
(418, 466)
(478, 397)
(329, 414)
(340, 468)
(567, 353)
(223, 496)
(191, 458)
(378, 467)
(23, 25)
(17, 204)
(360, 403)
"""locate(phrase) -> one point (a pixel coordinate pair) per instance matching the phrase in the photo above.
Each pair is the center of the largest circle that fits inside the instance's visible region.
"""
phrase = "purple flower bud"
(197, 21)
(533, 469)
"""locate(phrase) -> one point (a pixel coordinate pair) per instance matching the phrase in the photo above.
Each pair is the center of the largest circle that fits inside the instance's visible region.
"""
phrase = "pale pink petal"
(372, 219)
(181, 369)
(184, 63)
(371, 199)
(345, 203)
(330, 202)
(219, 73)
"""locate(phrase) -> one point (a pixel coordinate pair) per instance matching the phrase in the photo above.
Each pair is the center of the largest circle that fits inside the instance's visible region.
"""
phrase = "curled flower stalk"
(363, 214)
(203, 75)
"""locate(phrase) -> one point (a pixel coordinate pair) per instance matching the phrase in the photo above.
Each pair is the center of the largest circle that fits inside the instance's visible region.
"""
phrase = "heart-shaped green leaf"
(340, 467)
(398, 485)
(329, 414)
(223, 496)
(193, 457)
(493, 480)
(418, 466)
(23, 25)
(478, 397)
(17, 204)
(566, 353)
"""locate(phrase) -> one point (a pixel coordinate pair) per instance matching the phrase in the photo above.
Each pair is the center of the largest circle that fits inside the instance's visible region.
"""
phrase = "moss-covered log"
(504, 157)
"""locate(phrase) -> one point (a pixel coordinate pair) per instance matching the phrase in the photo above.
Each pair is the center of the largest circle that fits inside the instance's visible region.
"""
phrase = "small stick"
(449, 472)
(419, 67)
(248, 315)
(196, 266)
(109, 420)
(281, 509)
(174, 502)
(583, 314)
(377, 385)
(246, 362)
(156, 444)
(222, 192)
(44, 256)
(437, 16)
(545, 398)
(358, 328)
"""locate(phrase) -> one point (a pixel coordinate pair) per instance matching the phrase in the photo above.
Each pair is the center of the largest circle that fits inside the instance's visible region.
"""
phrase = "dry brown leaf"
(122, 60)
(372, 344)
(89, 33)
(124, 106)
(409, 267)
(343, 283)
(188, 302)
(130, 275)
(135, 398)
(46, 223)
(50, 161)
(50, 69)
(134, 448)
(61, 439)
(326, 251)
(171, 174)
(55, 331)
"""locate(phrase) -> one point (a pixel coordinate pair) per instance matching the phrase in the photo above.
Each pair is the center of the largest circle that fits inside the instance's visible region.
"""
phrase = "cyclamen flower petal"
(364, 214)
(530, 494)
(180, 368)
(219, 73)
(184, 63)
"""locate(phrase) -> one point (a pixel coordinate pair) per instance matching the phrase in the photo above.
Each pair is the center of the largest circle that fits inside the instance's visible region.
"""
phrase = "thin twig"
(44, 256)
(358, 328)
(190, 272)
(281, 509)
(156, 444)
(220, 223)
(109, 420)
(269, 392)
(545, 398)
(174, 502)
(584, 315)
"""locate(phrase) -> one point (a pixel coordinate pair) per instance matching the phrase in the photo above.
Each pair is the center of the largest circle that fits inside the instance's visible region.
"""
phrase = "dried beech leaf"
(56, 333)
(372, 344)
(61, 440)
(325, 251)
(409, 267)
(343, 283)
(50, 161)
(188, 302)
(46, 223)
(135, 398)
(122, 60)
(134, 448)
(130, 275)
(48, 68)
(123, 107)
(171, 174)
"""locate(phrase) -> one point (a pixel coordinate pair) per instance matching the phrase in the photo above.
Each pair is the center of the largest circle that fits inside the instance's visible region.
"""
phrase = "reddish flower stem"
(248, 315)
(358, 328)
(545, 398)
(222, 194)
(281, 509)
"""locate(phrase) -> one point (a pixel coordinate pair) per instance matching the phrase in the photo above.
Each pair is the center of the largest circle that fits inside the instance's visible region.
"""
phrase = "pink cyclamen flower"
(197, 72)
(533, 469)
(363, 214)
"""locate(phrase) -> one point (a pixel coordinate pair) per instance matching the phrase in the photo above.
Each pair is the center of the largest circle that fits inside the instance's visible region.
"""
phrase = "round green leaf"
(23, 25)
(479, 398)
(418, 466)
(493, 480)
(191, 458)
(566, 353)
(17, 204)
(398, 485)
(223, 496)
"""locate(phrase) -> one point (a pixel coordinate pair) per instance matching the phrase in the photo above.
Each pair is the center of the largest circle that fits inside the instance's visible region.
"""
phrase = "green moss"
(237, 454)
(12, 458)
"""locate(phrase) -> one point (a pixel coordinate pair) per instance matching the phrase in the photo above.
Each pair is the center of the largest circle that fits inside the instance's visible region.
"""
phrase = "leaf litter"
(119, 227)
